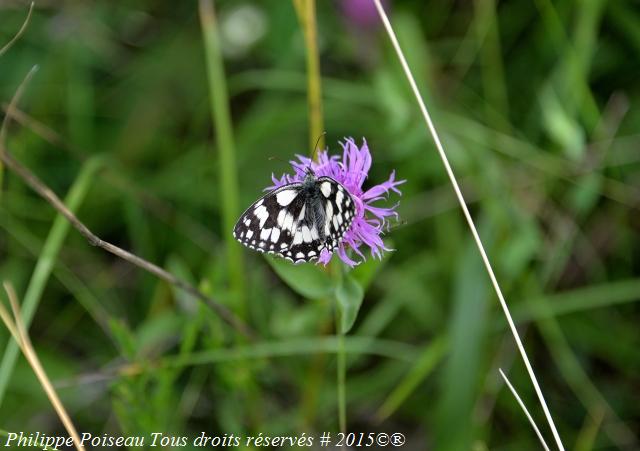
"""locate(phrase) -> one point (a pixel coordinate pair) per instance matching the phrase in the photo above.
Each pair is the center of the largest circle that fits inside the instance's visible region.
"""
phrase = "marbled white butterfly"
(297, 221)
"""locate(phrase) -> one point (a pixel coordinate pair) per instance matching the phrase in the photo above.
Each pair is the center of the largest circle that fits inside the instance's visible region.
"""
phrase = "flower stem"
(341, 373)
(219, 99)
(470, 222)
(335, 270)
(306, 10)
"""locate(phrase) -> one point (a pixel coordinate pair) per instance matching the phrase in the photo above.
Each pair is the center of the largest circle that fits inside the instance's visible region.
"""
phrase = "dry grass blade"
(524, 408)
(12, 106)
(43, 131)
(19, 333)
(9, 44)
(467, 215)
(47, 194)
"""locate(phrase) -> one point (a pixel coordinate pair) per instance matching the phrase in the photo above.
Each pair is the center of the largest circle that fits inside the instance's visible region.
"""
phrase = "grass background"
(535, 105)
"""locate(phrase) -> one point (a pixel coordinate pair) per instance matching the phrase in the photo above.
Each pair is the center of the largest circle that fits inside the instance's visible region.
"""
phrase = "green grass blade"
(69, 280)
(493, 79)
(579, 381)
(45, 264)
(219, 99)
(626, 18)
(297, 347)
(461, 371)
(580, 299)
(423, 367)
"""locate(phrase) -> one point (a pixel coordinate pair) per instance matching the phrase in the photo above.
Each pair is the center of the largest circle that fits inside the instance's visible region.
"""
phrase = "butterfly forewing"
(262, 226)
(297, 221)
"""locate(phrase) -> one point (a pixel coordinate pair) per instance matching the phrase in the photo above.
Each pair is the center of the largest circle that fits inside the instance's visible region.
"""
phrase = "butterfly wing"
(325, 216)
(304, 234)
(292, 223)
(266, 225)
(339, 211)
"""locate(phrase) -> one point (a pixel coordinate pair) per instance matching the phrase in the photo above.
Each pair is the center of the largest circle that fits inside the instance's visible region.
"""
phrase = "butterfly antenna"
(397, 225)
(273, 157)
(314, 152)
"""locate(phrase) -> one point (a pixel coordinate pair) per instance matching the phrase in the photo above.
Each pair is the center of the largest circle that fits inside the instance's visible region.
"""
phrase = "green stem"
(341, 369)
(45, 264)
(306, 10)
(335, 270)
(219, 99)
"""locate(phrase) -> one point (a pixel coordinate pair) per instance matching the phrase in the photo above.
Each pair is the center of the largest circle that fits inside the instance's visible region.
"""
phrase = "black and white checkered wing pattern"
(299, 220)
(339, 211)
(265, 226)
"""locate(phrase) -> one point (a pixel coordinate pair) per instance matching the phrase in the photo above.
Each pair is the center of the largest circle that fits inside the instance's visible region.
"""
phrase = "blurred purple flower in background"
(351, 171)
(362, 13)
(361, 22)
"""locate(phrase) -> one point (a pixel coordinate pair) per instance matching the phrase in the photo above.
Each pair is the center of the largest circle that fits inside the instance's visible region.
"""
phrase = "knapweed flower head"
(351, 170)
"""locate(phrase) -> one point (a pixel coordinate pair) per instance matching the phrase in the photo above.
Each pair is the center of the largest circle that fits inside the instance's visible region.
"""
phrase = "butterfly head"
(310, 175)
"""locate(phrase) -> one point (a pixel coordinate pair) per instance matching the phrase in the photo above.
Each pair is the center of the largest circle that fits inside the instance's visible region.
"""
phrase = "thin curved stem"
(13, 40)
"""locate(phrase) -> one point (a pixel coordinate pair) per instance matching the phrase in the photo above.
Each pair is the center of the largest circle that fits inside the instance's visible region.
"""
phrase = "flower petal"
(384, 188)
(345, 258)
(325, 256)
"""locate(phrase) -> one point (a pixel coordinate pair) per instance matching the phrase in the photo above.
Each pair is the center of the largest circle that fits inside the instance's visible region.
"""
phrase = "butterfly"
(298, 220)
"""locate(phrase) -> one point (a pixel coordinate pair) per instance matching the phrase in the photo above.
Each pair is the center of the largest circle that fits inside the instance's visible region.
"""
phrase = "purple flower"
(351, 171)
(362, 13)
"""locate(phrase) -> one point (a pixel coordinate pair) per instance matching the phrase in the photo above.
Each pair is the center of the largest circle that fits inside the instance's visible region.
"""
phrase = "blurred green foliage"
(535, 105)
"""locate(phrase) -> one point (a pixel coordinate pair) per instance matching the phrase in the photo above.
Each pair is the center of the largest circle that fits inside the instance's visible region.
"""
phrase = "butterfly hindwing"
(307, 240)
(297, 221)
(339, 209)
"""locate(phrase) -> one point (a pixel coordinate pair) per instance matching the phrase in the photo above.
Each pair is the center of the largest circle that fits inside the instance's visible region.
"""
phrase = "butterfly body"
(299, 220)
